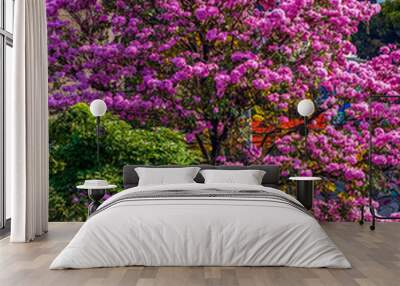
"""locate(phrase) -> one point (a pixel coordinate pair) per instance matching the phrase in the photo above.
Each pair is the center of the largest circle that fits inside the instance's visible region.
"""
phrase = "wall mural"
(218, 82)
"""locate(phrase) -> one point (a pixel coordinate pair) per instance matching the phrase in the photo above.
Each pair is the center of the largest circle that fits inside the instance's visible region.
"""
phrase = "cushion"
(247, 177)
(165, 176)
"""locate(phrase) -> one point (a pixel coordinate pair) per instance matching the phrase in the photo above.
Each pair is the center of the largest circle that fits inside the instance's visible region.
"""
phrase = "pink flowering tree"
(339, 151)
(198, 66)
(204, 67)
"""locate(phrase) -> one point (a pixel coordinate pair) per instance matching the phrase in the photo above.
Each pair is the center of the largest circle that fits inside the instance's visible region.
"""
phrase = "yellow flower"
(331, 187)
(312, 165)
(258, 117)
(258, 110)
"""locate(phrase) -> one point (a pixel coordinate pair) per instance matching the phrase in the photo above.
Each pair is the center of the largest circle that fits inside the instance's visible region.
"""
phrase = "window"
(6, 64)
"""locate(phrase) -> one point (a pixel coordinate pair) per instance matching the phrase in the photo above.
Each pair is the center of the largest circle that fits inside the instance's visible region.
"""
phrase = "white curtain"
(26, 124)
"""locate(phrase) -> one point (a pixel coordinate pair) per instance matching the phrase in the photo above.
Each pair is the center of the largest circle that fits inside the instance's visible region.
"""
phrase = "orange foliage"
(260, 129)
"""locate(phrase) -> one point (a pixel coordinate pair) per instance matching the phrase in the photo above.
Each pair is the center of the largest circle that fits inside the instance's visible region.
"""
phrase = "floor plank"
(375, 257)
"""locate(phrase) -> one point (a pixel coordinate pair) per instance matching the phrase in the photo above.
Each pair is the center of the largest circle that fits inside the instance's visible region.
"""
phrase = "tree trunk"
(215, 148)
(203, 148)
(216, 140)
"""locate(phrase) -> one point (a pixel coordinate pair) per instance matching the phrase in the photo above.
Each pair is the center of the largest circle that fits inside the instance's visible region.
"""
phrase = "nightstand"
(95, 194)
(305, 190)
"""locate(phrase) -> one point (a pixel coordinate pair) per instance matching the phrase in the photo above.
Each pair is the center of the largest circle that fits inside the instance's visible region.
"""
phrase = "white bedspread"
(200, 231)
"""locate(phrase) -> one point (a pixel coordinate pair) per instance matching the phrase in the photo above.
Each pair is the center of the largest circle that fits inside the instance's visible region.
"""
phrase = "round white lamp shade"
(98, 107)
(306, 107)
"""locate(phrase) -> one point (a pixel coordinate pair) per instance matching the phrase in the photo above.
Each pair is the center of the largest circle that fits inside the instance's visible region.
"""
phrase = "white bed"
(202, 231)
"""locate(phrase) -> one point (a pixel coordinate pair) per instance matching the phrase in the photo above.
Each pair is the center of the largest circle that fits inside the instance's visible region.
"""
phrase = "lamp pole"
(98, 108)
(305, 138)
(98, 140)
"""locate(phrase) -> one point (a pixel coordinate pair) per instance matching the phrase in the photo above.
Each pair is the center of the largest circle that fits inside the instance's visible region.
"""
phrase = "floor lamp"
(371, 188)
(98, 108)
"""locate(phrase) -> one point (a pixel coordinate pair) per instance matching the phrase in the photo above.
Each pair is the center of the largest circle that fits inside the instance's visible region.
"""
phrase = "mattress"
(201, 225)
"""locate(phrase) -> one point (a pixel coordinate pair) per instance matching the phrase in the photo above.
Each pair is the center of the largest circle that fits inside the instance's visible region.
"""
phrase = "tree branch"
(203, 148)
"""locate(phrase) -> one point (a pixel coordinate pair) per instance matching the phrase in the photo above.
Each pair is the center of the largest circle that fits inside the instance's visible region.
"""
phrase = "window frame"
(6, 39)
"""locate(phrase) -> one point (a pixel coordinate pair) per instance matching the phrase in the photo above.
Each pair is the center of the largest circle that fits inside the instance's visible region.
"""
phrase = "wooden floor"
(375, 257)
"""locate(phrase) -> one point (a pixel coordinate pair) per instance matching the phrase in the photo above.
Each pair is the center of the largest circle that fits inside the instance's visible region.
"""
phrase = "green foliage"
(383, 29)
(73, 155)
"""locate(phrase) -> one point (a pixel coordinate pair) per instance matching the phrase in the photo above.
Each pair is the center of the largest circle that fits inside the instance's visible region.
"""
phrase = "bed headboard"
(271, 177)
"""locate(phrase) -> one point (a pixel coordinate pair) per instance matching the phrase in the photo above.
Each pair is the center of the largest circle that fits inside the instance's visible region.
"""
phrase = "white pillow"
(166, 176)
(248, 177)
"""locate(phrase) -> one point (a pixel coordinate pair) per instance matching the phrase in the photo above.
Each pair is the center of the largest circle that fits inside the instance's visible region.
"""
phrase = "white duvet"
(200, 231)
